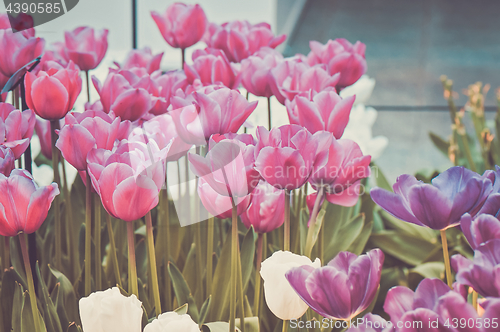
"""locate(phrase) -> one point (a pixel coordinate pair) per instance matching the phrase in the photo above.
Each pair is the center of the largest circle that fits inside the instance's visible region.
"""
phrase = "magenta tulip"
(18, 49)
(341, 57)
(128, 180)
(168, 84)
(3, 81)
(341, 175)
(83, 132)
(42, 130)
(53, 93)
(255, 71)
(142, 58)
(286, 155)
(266, 211)
(29, 209)
(480, 229)
(16, 128)
(293, 76)
(219, 205)
(229, 165)
(324, 110)
(217, 112)
(126, 94)
(343, 288)
(212, 66)
(55, 53)
(240, 39)
(86, 47)
(181, 25)
(6, 160)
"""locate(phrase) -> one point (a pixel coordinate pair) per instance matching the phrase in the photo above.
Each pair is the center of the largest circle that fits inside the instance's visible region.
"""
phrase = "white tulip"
(172, 322)
(363, 89)
(110, 311)
(280, 297)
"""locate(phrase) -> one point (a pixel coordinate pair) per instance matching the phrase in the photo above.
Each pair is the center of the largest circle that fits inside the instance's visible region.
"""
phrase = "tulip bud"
(86, 47)
(280, 296)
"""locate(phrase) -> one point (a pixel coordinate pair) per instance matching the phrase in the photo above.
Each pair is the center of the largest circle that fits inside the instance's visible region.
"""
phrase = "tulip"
(3, 81)
(168, 84)
(218, 112)
(293, 76)
(172, 321)
(370, 323)
(181, 25)
(483, 272)
(228, 167)
(127, 180)
(211, 66)
(280, 297)
(266, 210)
(343, 288)
(480, 230)
(4, 21)
(324, 110)
(16, 128)
(83, 132)
(52, 94)
(255, 71)
(29, 209)
(86, 47)
(341, 57)
(55, 53)
(219, 205)
(240, 39)
(286, 155)
(6, 160)
(359, 129)
(22, 47)
(126, 94)
(109, 310)
(143, 58)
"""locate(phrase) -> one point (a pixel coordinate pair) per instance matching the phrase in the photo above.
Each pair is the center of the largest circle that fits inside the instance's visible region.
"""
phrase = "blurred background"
(409, 45)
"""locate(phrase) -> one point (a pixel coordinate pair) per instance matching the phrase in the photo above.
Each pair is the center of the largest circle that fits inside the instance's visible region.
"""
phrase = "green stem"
(71, 235)
(310, 231)
(88, 234)
(164, 230)
(474, 299)
(257, 275)
(286, 242)
(285, 326)
(54, 125)
(133, 288)
(97, 243)
(31, 284)
(112, 250)
(183, 52)
(152, 260)
(88, 85)
(241, 294)
(6, 253)
(234, 263)
(269, 112)
(210, 250)
(446, 255)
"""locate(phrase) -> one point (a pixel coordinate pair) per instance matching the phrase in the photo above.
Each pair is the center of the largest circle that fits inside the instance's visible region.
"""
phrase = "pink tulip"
(181, 25)
(83, 132)
(3, 81)
(42, 130)
(4, 21)
(218, 205)
(86, 47)
(161, 129)
(55, 53)
(229, 167)
(126, 94)
(212, 66)
(128, 180)
(267, 209)
(218, 112)
(341, 175)
(16, 128)
(18, 49)
(29, 209)
(320, 111)
(6, 160)
(53, 93)
(341, 57)
(168, 84)
(143, 58)
(255, 71)
(240, 39)
(293, 76)
(287, 155)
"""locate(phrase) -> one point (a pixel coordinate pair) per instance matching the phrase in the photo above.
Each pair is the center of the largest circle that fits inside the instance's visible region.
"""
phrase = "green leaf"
(359, 244)
(67, 303)
(440, 143)
(344, 237)
(380, 179)
(17, 308)
(251, 324)
(429, 270)
(183, 309)
(182, 291)
(49, 310)
(217, 327)
(27, 321)
(221, 282)
(10, 281)
(420, 232)
(247, 255)
(204, 310)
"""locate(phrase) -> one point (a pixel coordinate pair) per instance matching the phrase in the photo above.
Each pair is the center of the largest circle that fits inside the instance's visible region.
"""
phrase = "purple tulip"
(371, 323)
(481, 229)
(438, 206)
(483, 272)
(343, 288)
